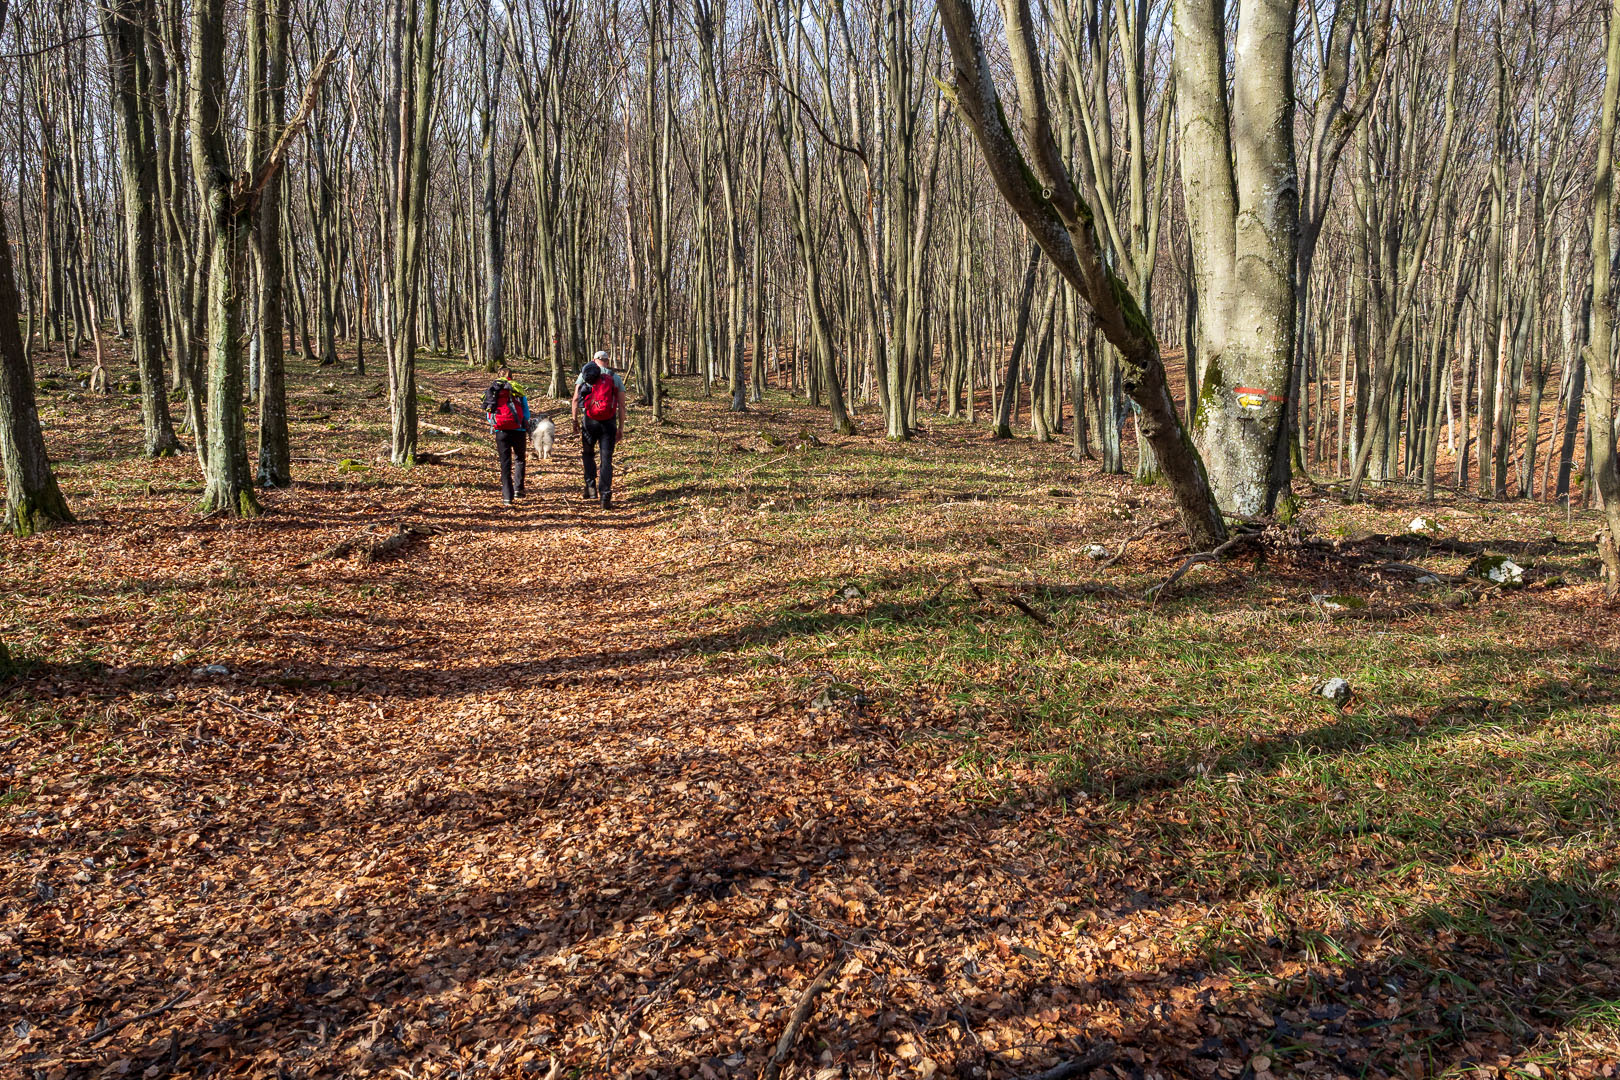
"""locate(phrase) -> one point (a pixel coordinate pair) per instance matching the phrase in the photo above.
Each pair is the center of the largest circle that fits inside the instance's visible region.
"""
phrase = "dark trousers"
(605, 432)
(513, 448)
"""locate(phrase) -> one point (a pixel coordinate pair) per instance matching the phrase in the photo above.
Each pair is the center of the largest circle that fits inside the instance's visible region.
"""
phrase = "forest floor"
(611, 791)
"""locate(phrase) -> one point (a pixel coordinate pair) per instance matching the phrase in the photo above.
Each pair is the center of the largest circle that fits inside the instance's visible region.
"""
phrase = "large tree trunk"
(489, 72)
(228, 480)
(1599, 370)
(125, 24)
(412, 72)
(1242, 208)
(267, 51)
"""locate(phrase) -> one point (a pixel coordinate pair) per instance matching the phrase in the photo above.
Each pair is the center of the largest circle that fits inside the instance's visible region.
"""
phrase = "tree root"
(1116, 556)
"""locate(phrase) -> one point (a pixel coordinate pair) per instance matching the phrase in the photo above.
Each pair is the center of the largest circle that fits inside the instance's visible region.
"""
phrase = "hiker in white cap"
(599, 394)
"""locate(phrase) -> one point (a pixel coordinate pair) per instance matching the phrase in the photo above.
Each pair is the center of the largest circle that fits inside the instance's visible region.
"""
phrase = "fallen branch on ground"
(1215, 555)
(433, 457)
(97, 1036)
(1008, 598)
(1385, 614)
(370, 552)
(437, 430)
(1037, 615)
(1055, 588)
(1116, 556)
(1101, 1054)
(801, 1013)
(404, 535)
(340, 550)
(623, 1025)
(1416, 571)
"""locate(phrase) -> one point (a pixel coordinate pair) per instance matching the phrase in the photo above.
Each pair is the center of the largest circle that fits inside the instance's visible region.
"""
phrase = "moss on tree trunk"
(33, 501)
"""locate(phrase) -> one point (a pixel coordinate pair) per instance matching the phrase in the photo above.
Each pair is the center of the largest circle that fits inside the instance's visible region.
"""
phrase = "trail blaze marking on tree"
(1250, 397)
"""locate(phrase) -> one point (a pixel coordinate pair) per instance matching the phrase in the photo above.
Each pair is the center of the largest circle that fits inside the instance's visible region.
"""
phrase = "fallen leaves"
(561, 790)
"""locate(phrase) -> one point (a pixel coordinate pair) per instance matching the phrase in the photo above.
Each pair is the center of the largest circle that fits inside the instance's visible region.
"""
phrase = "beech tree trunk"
(267, 53)
(1242, 197)
(125, 24)
(33, 501)
(1599, 367)
(228, 483)
(411, 71)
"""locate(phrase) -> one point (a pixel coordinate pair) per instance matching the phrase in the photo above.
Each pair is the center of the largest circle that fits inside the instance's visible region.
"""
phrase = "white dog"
(544, 434)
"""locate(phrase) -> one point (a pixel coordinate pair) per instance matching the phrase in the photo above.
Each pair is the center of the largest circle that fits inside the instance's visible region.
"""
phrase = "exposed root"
(1242, 539)
(1164, 523)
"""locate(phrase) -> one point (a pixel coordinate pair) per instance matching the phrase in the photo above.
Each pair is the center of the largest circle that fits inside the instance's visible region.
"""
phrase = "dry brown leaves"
(483, 808)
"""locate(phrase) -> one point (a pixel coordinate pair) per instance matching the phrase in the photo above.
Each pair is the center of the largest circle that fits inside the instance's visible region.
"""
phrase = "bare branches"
(252, 188)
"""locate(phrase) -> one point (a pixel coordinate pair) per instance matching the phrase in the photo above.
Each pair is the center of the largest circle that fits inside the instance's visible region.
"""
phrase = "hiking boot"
(607, 500)
(590, 489)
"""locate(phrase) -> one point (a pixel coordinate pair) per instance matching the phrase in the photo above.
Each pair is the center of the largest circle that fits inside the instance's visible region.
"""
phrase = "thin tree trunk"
(125, 26)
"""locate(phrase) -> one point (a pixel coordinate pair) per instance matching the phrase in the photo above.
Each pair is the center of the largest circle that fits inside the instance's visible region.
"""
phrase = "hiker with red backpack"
(599, 394)
(507, 410)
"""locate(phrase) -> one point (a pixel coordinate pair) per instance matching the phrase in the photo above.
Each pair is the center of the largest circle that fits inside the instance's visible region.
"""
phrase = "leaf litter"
(613, 792)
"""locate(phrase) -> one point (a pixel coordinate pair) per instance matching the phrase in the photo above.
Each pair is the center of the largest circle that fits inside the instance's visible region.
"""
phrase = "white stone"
(1335, 690)
(1506, 572)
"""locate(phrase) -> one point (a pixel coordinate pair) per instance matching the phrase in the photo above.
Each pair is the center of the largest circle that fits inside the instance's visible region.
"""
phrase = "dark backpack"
(506, 410)
(602, 399)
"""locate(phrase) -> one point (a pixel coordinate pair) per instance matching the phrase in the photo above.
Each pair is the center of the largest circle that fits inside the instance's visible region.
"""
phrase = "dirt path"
(530, 822)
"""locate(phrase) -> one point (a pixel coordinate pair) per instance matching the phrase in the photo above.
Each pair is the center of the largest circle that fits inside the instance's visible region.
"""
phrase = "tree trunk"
(125, 26)
(33, 501)
(1600, 371)
(412, 71)
(267, 52)
(1242, 208)
(228, 481)
(1009, 386)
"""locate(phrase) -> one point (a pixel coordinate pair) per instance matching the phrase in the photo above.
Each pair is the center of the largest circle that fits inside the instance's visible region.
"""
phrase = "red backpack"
(602, 400)
(507, 414)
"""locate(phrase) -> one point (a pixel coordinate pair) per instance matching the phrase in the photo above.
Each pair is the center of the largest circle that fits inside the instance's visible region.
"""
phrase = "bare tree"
(1599, 362)
(126, 24)
(1045, 199)
(33, 501)
(412, 67)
